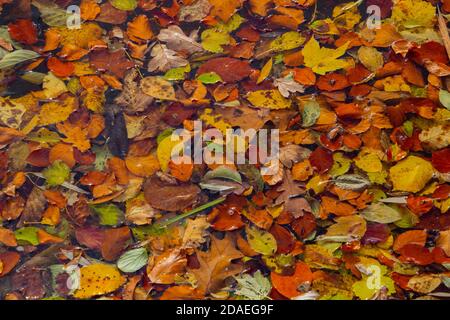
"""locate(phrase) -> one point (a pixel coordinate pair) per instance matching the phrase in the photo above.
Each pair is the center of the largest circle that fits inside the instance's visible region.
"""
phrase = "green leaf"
(256, 287)
(13, 58)
(102, 154)
(51, 13)
(27, 234)
(177, 73)
(253, 176)
(261, 241)
(133, 260)
(310, 114)
(34, 77)
(444, 98)
(209, 78)
(125, 5)
(213, 39)
(341, 165)
(223, 172)
(44, 135)
(57, 173)
(109, 214)
(287, 41)
(381, 213)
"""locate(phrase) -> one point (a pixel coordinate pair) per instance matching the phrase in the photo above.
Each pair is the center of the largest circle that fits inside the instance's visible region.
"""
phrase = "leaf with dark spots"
(170, 197)
(229, 69)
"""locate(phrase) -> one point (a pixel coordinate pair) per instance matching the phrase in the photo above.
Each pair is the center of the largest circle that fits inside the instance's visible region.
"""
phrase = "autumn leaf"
(216, 264)
(322, 60)
(97, 279)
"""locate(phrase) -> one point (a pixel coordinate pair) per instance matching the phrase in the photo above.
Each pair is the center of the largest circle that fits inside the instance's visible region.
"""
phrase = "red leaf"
(39, 158)
(414, 253)
(304, 225)
(285, 239)
(24, 31)
(59, 68)
(322, 159)
(229, 69)
(440, 160)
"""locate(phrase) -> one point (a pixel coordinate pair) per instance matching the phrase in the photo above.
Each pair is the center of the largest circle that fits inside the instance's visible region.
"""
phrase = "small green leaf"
(133, 260)
(444, 98)
(109, 214)
(177, 73)
(310, 114)
(34, 77)
(261, 241)
(223, 172)
(256, 287)
(27, 234)
(125, 5)
(13, 58)
(57, 173)
(209, 78)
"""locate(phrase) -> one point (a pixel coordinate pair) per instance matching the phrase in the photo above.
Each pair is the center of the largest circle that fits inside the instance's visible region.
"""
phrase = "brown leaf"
(169, 197)
(229, 69)
(216, 264)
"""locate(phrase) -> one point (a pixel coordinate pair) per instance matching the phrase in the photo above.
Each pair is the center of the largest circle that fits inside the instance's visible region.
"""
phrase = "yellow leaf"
(370, 58)
(368, 161)
(323, 60)
(80, 36)
(270, 99)
(165, 148)
(158, 88)
(265, 71)
(411, 174)
(393, 84)
(54, 112)
(413, 13)
(97, 279)
(214, 120)
(74, 135)
(53, 86)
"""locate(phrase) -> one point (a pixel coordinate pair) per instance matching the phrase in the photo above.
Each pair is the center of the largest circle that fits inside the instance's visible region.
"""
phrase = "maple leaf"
(288, 85)
(216, 264)
(176, 40)
(290, 190)
(323, 60)
(164, 59)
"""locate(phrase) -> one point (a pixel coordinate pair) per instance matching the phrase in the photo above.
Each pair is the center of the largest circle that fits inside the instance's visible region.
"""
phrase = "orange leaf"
(416, 237)
(89, 9)
(139, 29)
(64, 152)
(119, 168)
(7, 237)
(45, 237)
(181, 170)
(142, 166)
(59, 68)
(288, 285)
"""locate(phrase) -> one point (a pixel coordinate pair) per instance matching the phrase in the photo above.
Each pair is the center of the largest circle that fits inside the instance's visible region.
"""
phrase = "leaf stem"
(191, 212)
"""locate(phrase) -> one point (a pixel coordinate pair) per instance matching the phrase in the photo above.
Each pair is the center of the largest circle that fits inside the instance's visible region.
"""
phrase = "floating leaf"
(271, 99)
(57, 173)
(323, 60)
(11, 59)
(109, 214)
(310, 113)
(97, 279)
(255, 287)
(381, 213)
(133, 260)
(261, 241)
